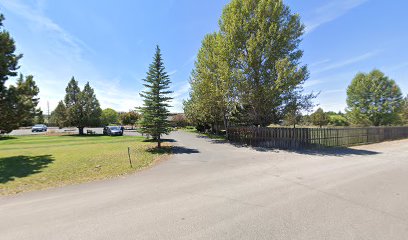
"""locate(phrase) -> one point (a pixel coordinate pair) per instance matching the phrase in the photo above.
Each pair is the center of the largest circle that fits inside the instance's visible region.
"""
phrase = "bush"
(338, 120)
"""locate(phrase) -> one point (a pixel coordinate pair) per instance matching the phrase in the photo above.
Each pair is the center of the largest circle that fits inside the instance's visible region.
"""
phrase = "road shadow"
(162, 140)
(184, 150)
(323, 151)
(173, 150)
(334, 151)
(22, 166)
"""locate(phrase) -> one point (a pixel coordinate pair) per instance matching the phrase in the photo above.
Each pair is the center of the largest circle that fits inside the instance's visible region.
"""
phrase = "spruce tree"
(8, 68)
(91, 107)
(27, 100)
(59, 115)
(83, 108)
(154, 112)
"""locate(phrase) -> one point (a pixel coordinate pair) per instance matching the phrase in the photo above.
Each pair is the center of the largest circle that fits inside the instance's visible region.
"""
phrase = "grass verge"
(209, 135)
(30, 163)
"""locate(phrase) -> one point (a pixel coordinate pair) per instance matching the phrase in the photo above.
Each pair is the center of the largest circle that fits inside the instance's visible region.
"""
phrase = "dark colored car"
(39, 128)
(113, 131)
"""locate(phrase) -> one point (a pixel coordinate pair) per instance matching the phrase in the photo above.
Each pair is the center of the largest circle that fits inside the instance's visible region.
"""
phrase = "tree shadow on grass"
(173, 149)
(83, 136)
(6, 138)
(22, 166)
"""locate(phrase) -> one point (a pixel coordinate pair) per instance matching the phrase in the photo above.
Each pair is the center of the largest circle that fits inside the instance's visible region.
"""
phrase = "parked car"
(113, 131)
(39, 128)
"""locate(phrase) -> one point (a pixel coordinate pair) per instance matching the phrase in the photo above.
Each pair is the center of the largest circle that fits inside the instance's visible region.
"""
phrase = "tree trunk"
(158, 142)
(226, 126)
(81, 130)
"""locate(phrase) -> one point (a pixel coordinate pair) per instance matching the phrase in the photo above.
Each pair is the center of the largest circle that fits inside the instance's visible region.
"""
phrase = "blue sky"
(111, 43)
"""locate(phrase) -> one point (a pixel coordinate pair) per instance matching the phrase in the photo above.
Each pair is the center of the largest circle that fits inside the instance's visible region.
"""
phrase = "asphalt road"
(212, 190)
(23, 132)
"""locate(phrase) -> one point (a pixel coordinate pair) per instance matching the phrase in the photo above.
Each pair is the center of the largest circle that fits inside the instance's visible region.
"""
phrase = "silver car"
(39, 128)
(113, 131)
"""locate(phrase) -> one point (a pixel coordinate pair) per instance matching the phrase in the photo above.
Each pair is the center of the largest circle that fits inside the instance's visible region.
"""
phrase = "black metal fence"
(292, 138)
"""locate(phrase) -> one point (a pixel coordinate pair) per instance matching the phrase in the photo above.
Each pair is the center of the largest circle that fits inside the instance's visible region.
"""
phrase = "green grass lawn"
(37, 162)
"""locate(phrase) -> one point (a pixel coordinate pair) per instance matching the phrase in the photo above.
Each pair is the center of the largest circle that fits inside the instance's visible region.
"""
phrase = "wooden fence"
(293, 138)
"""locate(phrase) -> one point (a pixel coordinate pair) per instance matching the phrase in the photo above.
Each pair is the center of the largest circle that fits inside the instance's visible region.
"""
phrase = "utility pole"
(48, 112)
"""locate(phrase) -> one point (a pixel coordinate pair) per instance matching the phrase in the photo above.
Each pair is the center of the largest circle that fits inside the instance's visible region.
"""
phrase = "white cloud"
(331, 11)
(172, 72)
(311, 83)
(319, 63)
(347, 62)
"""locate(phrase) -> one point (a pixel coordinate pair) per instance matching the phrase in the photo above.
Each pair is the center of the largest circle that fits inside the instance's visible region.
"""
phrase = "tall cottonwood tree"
(374, 99)
(155, 98)
(404, 111)
(250, 69)
(211, 83)
(262, 38)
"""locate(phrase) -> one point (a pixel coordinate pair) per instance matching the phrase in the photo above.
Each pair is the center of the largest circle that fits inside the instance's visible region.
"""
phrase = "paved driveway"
(218, 191)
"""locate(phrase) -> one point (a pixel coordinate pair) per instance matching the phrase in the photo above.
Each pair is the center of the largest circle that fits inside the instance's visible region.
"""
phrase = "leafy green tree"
(212, 90)
(262, 40)
(405, 110)
(59, 116)
(154, 112)
(109, 116)
(373, 99)
(337, 120)
(179, 120)
(83, 109)
(8, 68)
(295, 104)
(319, 118)
(129, 118)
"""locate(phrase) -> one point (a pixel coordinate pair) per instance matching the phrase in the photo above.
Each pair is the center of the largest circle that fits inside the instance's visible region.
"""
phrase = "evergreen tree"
(59, 115)
(374, 99)
(75, 113)
(91, 107)
(8, 68)
(83, 108)
(154, 112)
(39, 118)
(27, 100)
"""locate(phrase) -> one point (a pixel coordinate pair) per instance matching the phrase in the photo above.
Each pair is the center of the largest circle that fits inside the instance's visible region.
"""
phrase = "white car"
(39, 128)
